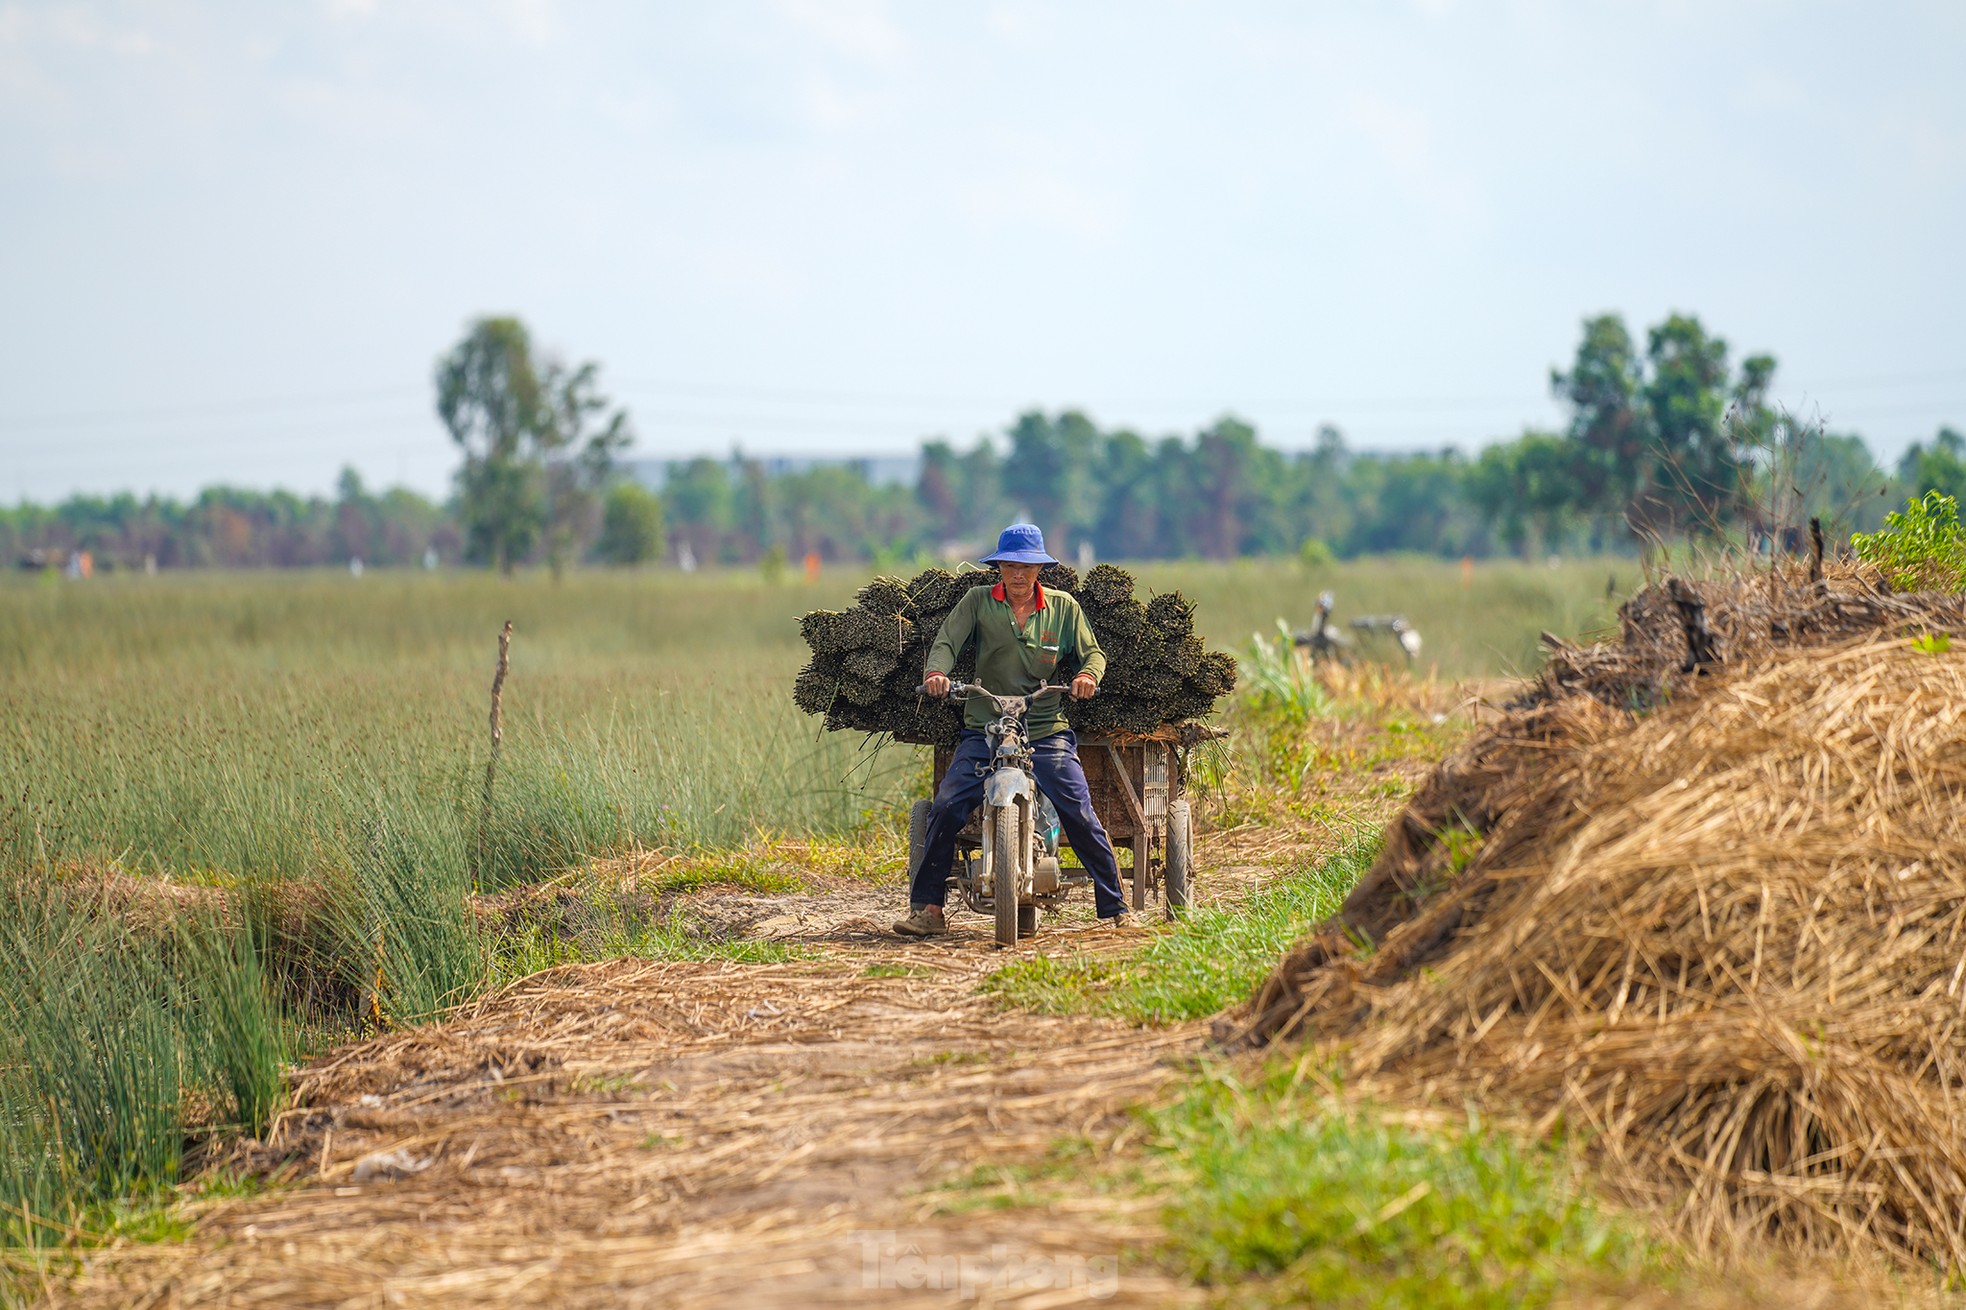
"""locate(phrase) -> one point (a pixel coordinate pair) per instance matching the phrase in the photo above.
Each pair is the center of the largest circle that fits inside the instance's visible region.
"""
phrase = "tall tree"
(1666, 442)
(936, 488)
(1698, 470)
(1050, 473)
(1225, 492)
(357, 518)
(1527, 491)
(984, 510)
(1839, 482)
(489, 396)
(1413, 502)
(537, 438)
(1129, 523)
(1612, 449)
(577, 442)
(697, 496)
(1320, 504)
(752, 507)
(1940, 466)
(1174, 481)
(631, 525)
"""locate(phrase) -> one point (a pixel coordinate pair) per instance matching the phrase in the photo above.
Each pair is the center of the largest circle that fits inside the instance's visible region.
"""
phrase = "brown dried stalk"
(497, 737)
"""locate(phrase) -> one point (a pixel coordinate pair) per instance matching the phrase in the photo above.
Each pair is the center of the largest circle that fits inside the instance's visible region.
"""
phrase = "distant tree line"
(226, 527)
(1219, 494)
(1665, 439)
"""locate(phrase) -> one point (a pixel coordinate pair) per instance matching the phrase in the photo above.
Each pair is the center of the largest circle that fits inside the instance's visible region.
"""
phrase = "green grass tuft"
(1210, 959)
(735, 870)
(118, 1048)
(406, 933)
(1332, 1205)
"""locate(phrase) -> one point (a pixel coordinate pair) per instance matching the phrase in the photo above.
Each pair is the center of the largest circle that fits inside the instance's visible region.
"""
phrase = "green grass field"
(258, 725)
(266, 725)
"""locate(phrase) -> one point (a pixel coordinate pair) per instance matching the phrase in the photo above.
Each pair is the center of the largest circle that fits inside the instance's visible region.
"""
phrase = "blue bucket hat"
(1020, 543)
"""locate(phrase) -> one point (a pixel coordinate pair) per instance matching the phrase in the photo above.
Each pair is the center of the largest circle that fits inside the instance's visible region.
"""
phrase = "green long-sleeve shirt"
(1054, 645)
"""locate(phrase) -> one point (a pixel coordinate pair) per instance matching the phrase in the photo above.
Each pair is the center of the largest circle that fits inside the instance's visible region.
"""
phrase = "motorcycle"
(1016, 872)
(1325, 641)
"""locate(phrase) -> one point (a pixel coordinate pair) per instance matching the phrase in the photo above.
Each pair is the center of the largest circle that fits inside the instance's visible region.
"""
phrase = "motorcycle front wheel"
(1005, 832)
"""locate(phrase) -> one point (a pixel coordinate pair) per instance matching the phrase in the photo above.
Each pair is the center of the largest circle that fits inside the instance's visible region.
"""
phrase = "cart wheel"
(1005, 832)
(1180, 855)
(1027, 921)
(917, 836)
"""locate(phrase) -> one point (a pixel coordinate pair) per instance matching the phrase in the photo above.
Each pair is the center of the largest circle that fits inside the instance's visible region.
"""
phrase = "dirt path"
(683, 1134)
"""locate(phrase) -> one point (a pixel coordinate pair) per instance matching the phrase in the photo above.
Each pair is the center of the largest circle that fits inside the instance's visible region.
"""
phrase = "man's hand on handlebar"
(938, 685)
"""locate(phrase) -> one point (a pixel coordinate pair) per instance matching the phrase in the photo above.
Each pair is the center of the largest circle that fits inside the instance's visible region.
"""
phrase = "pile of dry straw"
(1714, 918)
(868, 660)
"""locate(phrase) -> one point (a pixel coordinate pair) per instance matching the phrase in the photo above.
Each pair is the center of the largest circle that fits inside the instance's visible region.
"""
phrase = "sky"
(235, 238)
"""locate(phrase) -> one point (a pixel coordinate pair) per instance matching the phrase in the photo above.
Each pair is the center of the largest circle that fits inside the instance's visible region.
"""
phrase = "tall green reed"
(218, 727)
(403, 920)
(235, 1018)
(117, 1045)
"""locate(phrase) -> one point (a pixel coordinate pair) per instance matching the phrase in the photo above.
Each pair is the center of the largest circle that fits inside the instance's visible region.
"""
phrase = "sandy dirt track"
(694, 1134)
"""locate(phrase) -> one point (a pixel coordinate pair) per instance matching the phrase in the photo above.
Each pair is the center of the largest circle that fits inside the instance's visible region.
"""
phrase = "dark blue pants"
(1055, 761)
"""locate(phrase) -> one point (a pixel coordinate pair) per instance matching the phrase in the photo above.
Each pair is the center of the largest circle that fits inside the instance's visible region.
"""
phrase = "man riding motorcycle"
(1023, 635)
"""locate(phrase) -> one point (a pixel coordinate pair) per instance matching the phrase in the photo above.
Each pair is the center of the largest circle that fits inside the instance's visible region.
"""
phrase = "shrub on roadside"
(1920, 548)
(1279, 683)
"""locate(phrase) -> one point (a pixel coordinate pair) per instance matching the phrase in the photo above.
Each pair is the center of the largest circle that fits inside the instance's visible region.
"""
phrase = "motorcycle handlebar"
(964, 690)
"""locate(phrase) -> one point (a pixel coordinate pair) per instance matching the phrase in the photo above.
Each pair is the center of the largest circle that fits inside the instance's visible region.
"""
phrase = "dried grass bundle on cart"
(867, 660)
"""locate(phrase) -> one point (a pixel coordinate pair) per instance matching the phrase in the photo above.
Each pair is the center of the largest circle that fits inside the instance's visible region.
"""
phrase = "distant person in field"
(1024, 636)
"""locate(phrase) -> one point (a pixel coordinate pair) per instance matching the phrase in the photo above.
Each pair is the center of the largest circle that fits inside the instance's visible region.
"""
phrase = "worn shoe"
(1124, 919)
(926, 921)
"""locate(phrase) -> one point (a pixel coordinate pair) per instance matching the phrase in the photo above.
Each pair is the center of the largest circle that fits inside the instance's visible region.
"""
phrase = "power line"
(225, 444)
(269, 422)
(1903, 379)
(664, 427)
(1908, 407)
(1006, 400)
(829, 397)
(212, 410)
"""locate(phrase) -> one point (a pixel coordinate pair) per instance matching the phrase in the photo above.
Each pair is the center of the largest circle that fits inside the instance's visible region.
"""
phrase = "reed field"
(291, 765)
(265, 725)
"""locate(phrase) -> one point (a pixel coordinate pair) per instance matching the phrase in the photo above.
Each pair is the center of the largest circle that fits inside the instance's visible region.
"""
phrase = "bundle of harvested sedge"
(867, 660)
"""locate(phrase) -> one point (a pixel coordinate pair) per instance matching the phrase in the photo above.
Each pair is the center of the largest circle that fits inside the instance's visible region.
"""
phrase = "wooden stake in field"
(497, 736)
